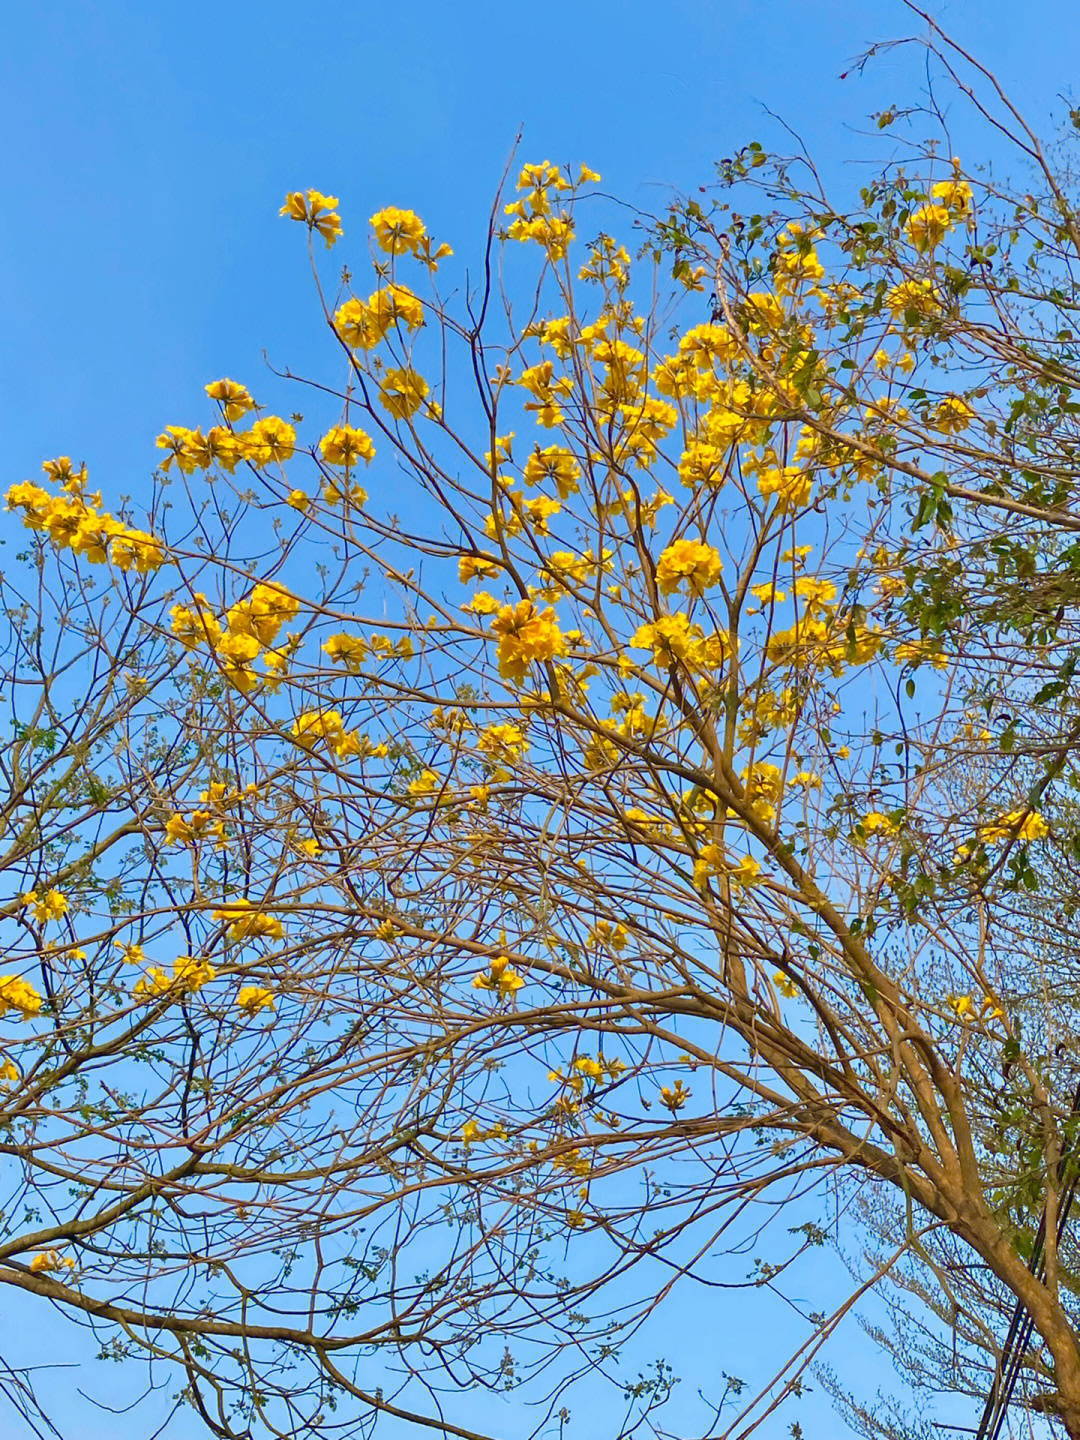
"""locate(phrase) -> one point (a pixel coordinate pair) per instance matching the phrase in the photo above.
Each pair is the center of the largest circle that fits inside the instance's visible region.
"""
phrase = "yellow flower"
(913, 295)
(689, 561)
(916, 651)
(875, 821)
(553, 232)
(816, 593)
(483, 604)
(338, 493)
(807, 779)
(954, 194)
(502, 740)
(345, 445)
(9, 1073)
(399, 232)
(963, 1006)
(18, 994)
(359, 326)
(253, 998)
(246, 923)
(573, 1162)
(671, 638)
(269, 441)
(178, 831)
(542, 176)
(34, 501)
(426, 783)
(703, 464)
(785, 985)
(928, 226)
(235, 653)
(402, 392)
(746, 872)
(191, 973)
(235, 399)
(312, 725)
(674, 1097)
(526, 636)
(953, 415)
(348, 650)
(262, 613)
(52, 905)
(554, 463)
(93, 536)
(538, 512)
(136, 550)
(707, 346)
(396, 305)
(1016, 825)
(500, 976)
(477, 567)
(591, 1069)
(47, 1261)
(790, 484)
(318, 211)
(153, 984)
(194, 624)
(764, 312)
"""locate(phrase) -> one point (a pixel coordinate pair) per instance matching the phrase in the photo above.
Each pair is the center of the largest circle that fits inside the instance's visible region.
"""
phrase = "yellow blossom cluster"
(472, 1132)
(317, 211)
(247, 921)
(674, 1097)
(47, 1262)
(692, 563)
(676, 639)
(253, 998)
(500, 976)
(190, 973)
(313, 727)
(72, 520)
(18, 994)
(815, 643)
(50, 905)
(402, 392)
(797, 261)
(534, 217)
(196, 825)
(928, 225)
(269, 441)
(964, 1008)
(1015, 825)
(526, 636)
(251, 627)
(364, 324)
(345, 445)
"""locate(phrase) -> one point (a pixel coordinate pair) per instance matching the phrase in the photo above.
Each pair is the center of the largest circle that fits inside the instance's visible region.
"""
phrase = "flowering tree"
(454, 906)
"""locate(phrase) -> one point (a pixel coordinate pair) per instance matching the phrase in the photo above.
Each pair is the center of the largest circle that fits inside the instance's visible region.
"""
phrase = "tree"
(449, 917)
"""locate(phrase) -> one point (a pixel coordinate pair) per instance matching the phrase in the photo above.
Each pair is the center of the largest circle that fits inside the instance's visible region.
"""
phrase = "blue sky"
(148, 147)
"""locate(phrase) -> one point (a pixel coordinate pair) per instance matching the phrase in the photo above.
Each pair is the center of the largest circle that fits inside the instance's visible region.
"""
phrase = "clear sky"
(148, 145)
